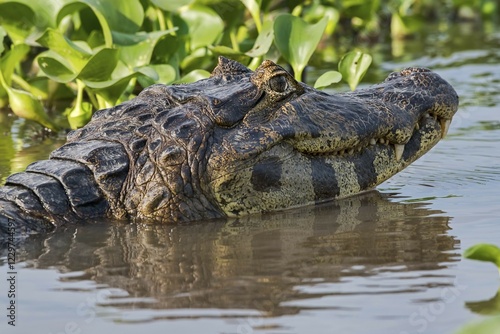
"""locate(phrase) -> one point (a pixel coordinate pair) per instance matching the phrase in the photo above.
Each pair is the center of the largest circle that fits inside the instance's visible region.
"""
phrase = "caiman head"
(278, 143)
(247, 141)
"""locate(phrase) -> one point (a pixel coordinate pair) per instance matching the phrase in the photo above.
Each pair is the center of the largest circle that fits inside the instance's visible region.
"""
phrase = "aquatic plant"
(484, 252)
(488, 326)
(99, 53)
(488, 253)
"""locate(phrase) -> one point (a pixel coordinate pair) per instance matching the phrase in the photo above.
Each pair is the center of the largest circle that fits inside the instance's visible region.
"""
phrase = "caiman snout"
(432, 94)
(389, 113)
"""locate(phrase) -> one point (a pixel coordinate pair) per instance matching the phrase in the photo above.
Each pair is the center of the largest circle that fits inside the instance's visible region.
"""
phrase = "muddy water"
(385, 262)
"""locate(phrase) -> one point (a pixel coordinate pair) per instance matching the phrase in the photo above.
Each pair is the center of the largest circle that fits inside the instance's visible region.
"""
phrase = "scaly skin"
(237, 143)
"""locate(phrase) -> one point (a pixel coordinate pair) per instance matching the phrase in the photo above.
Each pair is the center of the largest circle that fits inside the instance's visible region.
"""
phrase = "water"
(388, 261)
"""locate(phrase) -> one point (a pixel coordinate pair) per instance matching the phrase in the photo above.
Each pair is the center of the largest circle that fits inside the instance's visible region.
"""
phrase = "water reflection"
(21, 143)
(257, 263)
(486, 307)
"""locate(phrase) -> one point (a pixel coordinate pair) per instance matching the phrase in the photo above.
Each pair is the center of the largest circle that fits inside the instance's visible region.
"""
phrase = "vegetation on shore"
(98, 53)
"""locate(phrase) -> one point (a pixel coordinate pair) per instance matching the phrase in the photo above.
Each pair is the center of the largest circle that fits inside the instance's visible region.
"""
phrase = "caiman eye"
(278, 83)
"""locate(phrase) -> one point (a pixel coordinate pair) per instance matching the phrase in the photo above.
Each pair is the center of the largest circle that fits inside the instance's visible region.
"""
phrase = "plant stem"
(297, 72)
(79, 94)
(234, 40)
(161, 19)
(169, 23)
(3, 83)
(255, 63)
(92, 98)
(21, 82)
(103, 104)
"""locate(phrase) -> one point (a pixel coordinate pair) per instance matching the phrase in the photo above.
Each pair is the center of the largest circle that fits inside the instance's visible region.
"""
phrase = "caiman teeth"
(445, 126)
(399, 149)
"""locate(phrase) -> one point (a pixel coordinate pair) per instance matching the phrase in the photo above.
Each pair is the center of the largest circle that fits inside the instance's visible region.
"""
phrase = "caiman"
(237, 143)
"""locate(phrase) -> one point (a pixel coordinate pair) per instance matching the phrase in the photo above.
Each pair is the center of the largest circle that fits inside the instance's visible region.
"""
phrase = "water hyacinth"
(115, 49)
(484, 252)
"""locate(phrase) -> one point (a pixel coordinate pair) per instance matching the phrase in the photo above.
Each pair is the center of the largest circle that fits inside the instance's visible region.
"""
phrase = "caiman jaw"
(390, 115)
(398, 148)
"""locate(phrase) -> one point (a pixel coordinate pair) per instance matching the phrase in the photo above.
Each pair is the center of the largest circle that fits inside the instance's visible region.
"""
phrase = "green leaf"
(3, 33)
(136, 50)
(153, 72)
(488, 326)
(253, 7)
(8, 62)
(263, 41)
(56, 67)
(25, 105)
(365, 10)
(162, 73)
(46, 12)
(166, 49)
(45, 89)
(77, 6)
(11, 59)
(4, 98)
(327, 78)
(317, 12)
(171, 5)
(221, 50)
(100, 66)
(484, 252)
(76, 56)
(333, 19)
(297, 40)
(80, 115)
(166, 73)
(403, 25)
(123, 39)
(18, 20)
(489, 8)
(196, 60)
(122, 16)
(194, 76)
(111, 90)
(204, 25)
(353, 67)
(398, 27)
(485, 307)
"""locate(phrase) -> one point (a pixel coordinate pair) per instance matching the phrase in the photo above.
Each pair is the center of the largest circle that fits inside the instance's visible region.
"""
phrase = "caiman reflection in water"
(253, 262)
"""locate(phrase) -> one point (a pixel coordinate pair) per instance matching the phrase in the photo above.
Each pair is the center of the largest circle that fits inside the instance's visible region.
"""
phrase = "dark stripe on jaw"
(266, 175)
(365, 170)
(412, 146)
(323, 179)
